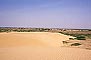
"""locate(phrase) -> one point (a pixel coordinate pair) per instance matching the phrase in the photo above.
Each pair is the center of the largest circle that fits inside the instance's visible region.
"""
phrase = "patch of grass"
(81, 37)
(78, 36)
(88, 36)
(75, 44)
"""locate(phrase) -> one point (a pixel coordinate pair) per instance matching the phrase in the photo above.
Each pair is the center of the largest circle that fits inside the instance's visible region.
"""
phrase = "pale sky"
(45, 13)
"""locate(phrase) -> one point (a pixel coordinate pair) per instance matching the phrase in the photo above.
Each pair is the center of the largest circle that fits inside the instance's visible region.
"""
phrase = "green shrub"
(81, 37)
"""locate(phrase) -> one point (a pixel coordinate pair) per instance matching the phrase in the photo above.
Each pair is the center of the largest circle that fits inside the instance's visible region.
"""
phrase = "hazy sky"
(46, 13)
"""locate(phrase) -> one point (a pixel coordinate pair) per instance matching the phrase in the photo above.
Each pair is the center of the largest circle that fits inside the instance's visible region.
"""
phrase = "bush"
(75, 44)
(81, 38)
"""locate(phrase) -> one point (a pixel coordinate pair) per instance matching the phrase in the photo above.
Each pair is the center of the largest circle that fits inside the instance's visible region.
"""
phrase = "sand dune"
(32, 39)
(38, 46)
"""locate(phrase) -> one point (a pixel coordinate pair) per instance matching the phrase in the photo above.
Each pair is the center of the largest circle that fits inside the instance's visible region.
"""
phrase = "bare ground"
(38, 46)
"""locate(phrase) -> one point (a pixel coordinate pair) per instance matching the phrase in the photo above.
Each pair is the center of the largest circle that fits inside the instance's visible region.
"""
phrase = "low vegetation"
(79, 36)
(6, 29)
(83, 38)
(75, 44)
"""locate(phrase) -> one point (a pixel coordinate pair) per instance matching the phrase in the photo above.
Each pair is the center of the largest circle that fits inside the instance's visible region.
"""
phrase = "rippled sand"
(38, 46)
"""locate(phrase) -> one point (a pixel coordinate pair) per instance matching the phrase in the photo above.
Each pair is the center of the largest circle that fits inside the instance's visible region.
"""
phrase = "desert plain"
(38, 46)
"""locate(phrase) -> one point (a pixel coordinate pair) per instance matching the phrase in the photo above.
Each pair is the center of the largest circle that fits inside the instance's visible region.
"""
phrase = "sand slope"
(38, 46)
(29, 53)
(32, 39)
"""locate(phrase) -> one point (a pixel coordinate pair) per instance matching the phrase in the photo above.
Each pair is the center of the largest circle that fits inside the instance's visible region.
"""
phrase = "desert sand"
(38, 46)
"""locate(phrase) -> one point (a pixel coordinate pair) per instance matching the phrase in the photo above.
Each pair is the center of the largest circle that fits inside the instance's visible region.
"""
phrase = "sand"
(38, 46)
